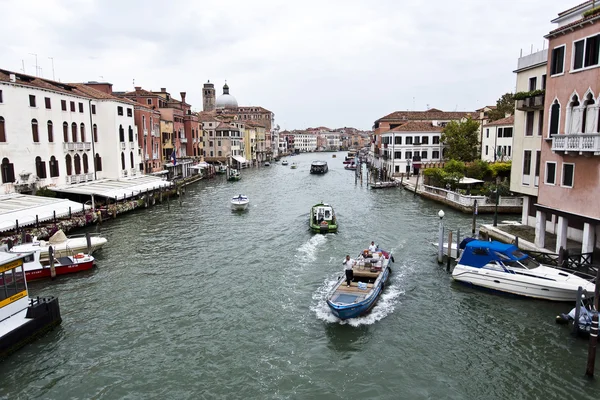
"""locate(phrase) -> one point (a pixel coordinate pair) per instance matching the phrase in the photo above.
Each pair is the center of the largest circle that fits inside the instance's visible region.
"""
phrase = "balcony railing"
(582, 143)
(123, 146)
(79, 178)
(183, 140)
(154, 156)
(531, 103)
(133, 172)
(131, 145)
(145, 132)
(73, 146)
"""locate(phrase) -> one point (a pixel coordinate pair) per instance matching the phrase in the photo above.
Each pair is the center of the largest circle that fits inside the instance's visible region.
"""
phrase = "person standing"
(372, 248)
(348, 265)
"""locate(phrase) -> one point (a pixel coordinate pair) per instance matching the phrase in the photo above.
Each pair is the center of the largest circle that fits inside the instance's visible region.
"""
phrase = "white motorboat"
(503, 267)
(62, 245)
(284, 162)
(239, 202)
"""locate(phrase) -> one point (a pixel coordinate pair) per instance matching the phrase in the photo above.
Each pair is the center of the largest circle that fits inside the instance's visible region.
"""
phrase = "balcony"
(73, 146)
(581, 143)
(79, 178)
(131, 145)
(531, 103)
(154, 133)
(123, 146)
(133, 172)
(154, 156)
(145, 132)
(183, 140)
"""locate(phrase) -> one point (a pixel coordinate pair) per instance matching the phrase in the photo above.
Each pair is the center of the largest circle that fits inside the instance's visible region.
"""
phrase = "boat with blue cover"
(504, 268)
(370, 274)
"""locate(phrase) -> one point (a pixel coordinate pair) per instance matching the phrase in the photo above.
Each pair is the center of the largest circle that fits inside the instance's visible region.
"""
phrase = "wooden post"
(160, 191)
(88, 241)
(51, 256)
(115, 208)
(69, 212)
(37, 221)
(457, 241)
(449, 258)
(516, 241)
(474, 218)
(577, 309)
(16, 226)
(54, 216)
(416, 185)
(23, 236)
(594, 331)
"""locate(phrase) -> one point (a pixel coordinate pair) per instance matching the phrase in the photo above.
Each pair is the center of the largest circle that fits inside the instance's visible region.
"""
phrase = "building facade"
(497, 140)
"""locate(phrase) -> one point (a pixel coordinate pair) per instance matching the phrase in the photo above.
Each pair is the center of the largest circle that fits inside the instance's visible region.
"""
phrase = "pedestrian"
(372, 248)
(348, 265)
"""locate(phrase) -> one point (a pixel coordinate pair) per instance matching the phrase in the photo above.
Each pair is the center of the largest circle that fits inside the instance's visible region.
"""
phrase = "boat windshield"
(526, 263)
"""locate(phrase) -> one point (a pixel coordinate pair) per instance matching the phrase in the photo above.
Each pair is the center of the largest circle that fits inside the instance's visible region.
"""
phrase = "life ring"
(79, 255)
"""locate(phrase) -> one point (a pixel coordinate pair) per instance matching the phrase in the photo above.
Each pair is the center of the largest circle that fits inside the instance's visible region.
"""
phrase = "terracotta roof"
(504, 121)
(34, 81)
(140, 92)
(260, 109)
(224, 126)
(414, 126)
(96, 94)
(431, 114)
(589, 19)
(483, 108)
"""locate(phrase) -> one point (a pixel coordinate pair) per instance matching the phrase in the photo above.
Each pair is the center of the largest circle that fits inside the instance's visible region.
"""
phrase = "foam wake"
(308, 251)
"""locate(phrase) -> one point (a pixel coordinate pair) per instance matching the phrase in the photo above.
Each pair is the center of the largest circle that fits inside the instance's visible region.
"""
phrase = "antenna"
(413, 103)
(133, 82)
(531, 48)
(23, 66)
(36, 64)
(52, 58)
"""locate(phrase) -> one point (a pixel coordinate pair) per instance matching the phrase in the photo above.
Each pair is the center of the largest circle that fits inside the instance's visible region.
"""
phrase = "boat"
(370, 274)
(284, 162)
(351, 166)
(239, 202)
(294, 166)
(504, 268)
(267, 164)
(322, 218)
(586, 313)
(220, 169)
(384, 185)
(22, 319)
(333, 156)
(318, 167)
(233, 175)
(62, 245)
(35, 268)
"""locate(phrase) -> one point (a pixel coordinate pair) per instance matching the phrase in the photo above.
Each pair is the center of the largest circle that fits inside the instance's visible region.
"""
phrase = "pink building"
(570, 160)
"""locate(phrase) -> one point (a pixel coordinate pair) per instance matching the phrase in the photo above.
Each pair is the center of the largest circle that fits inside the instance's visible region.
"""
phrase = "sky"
(313, 63)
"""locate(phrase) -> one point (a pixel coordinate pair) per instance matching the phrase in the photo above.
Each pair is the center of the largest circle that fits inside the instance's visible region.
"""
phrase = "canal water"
(195, 301)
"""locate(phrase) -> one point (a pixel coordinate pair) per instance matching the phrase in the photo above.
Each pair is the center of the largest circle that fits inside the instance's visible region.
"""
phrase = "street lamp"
(441, 237)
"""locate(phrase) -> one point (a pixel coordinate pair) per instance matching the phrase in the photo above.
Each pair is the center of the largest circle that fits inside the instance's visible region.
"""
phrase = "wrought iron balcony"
(531, 103)
(582, 143)
(73, 146)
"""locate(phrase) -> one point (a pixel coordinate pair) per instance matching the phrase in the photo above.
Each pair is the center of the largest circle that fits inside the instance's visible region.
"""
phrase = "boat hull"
(70, 247)
(239, 207)
(44, 271)
(329, 228)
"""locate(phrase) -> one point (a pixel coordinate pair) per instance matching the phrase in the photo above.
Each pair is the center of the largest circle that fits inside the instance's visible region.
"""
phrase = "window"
(93, 109)
(95, 133)
(72, 106)
(550, 173)
(409, 140)
(86, 167)
(119, 110)
(587, 120)
(131, 158)
(557, 64)
(568, 171)
(2, 131)
(1, 99)
(398, 155)
(541, 123)
(425, 140)
(63, 105)
(538, 157)
(31, 100)
(122, 160)
(68, 164)
(586, 52)
(82, 132)
(487, 133)
(435, 154)
(487, 149)
(508, 132)
(98, 161)
(74, 131)
(148, 101)
(532, 83)
(424, 154)
(527, 162)
(436, 140)
(121, 134)
(40, 168)
(529, 117)
(544, 82)
(47, 102)
(499, 132)
(398, 140)
(129, 112)
(77, 162)
(53, 167)
(50, 132)
(554, 117)
(8, 171)
(34, 131)
(408, 155)
(130, 133)
(219, 153)
(143, 122)
(218, 143)
(80, 107)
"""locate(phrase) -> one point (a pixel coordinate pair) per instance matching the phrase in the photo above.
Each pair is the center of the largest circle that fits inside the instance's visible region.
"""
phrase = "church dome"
(226, 100)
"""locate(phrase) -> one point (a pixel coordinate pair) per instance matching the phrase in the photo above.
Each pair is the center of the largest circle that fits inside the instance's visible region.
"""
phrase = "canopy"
(478, 253)
(240, 159)
(116, 188)
(469, 181)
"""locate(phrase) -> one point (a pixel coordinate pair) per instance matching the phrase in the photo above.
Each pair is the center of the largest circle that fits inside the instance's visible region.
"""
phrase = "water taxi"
(240, 202)
(318, 167)
(294, 166)
(284, 162)
(233, 175)
(322, 218)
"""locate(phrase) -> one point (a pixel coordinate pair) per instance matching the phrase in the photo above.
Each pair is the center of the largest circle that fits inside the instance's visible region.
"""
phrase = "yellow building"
(250, 143)
(167, 138)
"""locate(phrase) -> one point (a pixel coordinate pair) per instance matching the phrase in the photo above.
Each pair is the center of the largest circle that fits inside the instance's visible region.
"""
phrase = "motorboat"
(504, 268)
(267, 164)
(284, 162)
(370, 274)
(62, 245)
(322, 218)
(384, 185)
(350, 166)
(221, 169)
(22, 319)
(239, 202)
(583, 326)
(233, 175)
(294, 166)
(318, 167)
(35, 268)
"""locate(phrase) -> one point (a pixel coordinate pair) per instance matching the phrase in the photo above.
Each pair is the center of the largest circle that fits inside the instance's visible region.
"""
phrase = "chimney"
(13, 77)
(138, 88)
(182, 96)
(162, 89)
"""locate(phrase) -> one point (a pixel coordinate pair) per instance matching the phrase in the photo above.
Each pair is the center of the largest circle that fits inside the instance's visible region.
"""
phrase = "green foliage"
(501, 169)
(526, 95)
(479, 169)
(504, 105)
(489, 189)
(442, 177)
(461, 140)
(45, 192)
(591, 12)
(455, 166)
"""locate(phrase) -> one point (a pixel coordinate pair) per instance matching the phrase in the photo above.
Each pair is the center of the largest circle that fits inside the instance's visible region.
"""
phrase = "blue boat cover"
(478, 253)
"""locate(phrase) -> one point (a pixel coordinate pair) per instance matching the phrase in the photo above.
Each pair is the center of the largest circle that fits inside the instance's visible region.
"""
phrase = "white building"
(497, 141)
(333, 140)
(282, 145)
(305, 142)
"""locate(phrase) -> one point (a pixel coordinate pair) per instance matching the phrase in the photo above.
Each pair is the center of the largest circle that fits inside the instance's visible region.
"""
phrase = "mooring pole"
(416, 185)
(449, 257)
(474, 218)
(441, 237)
(52, 269)
(88, 241)
(593, 331)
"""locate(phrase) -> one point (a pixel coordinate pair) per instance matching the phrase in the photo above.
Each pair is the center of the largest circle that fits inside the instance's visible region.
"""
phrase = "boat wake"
(384, 307)
(308, 251)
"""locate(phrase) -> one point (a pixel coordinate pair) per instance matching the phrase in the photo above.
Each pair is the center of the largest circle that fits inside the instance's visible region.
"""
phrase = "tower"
(208, 97)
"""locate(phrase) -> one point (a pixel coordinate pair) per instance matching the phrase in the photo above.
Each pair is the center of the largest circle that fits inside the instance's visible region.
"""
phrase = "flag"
(174, 157)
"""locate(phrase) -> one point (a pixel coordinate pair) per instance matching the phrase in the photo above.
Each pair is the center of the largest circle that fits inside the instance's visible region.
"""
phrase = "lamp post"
(496, 208)
(441, 237)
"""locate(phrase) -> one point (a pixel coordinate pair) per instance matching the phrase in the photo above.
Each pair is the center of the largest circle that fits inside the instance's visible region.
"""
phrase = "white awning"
(469, 181)
(240, 159)
(25, 208)
(116, 188)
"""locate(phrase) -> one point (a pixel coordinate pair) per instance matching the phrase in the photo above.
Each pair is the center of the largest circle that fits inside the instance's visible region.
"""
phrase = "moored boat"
(239, 202)
(322, 218)
(234, 175)
(351, 166)
(62, 245)
(318, 167)
(22, 319)
(384, 185)
(504, 268)
(333, 156)
(369, 276)
(267, 164)
(35, 268)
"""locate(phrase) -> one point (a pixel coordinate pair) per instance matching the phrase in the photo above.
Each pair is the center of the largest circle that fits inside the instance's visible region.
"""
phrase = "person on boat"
(348, 265)
(372, 247)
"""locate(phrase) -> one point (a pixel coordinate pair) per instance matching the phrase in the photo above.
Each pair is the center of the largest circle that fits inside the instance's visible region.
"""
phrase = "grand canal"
(194, 301)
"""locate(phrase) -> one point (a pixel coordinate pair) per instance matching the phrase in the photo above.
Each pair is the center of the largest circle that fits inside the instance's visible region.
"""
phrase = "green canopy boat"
(322, 218)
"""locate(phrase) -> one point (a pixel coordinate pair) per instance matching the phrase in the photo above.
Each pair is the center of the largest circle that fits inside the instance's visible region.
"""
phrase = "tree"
(461, 140)
(504, 105)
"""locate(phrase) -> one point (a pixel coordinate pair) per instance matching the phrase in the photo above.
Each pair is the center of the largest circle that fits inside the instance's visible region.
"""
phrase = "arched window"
(82, 131)
(53, 167)
(66, 132)
(587, 120)
(85, 163)
(40, 168)
(95, 133)
(74, 131)
(69, 165)
(130, 133)
(2, 131)
(50, 132)
(554, 118)
(8, 171)
(574, 115)
(98, 161)
(77, 162)
(34, 131)
(131, 158)
(122, 161)
(121, 134)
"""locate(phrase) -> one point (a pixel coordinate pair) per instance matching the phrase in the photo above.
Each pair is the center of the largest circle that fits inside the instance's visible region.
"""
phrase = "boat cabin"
(13, 288)
(322, 213)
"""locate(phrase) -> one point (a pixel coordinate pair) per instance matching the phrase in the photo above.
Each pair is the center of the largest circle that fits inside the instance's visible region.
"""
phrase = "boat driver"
(372, 248)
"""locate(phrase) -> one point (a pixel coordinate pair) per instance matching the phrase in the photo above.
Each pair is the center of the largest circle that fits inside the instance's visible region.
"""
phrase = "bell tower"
(208, 97)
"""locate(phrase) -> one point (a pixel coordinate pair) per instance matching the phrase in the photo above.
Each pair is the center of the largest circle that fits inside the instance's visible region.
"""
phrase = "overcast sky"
(327, 63)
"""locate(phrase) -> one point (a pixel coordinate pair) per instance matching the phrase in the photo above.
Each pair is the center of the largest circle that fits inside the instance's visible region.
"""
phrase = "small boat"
(284, 162)
(319, 167)
(239, 202)
(221, 169)
(384, 185)
(62, 245)
(586, 313)
(234, 175)
(322, 218)
(504, 268)
(294, 166)
(22, 319)
(35, 268)
(370, 273)
(348, 160)
(333, 156)
(267, 164)
(351, 166)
